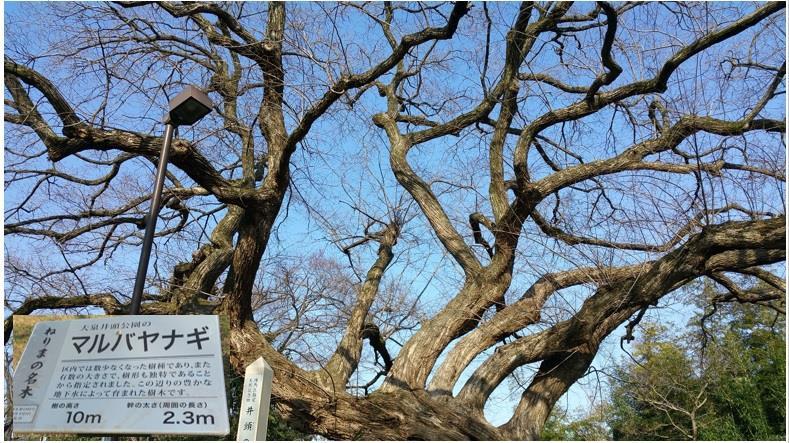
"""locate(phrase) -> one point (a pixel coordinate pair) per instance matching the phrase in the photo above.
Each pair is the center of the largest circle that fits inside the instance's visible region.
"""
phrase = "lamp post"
(186, 108)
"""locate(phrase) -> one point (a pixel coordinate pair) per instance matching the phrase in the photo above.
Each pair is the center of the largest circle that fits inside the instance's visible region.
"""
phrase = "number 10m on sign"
(81, 417)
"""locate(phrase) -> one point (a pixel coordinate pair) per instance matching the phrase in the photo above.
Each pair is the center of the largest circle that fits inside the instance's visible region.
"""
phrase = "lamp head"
(189, 106)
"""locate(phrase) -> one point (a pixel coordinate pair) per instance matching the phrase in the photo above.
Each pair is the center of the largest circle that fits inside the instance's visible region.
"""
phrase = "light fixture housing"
(189, 106)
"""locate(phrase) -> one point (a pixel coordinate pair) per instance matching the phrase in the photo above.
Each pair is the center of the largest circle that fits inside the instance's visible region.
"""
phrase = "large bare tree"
(493, 186)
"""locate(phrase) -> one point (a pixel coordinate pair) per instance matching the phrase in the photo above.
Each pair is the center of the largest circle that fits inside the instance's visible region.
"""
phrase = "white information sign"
(255, 400)
(142, 374)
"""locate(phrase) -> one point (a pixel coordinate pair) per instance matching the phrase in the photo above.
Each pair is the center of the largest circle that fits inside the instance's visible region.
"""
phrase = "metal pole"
(150, 222)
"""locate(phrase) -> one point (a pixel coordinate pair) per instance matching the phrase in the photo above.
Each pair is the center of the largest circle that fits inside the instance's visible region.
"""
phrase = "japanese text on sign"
(100, 343)
(33, 375)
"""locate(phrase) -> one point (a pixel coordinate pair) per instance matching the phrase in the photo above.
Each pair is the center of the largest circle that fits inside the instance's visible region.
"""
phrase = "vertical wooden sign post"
(253, 416)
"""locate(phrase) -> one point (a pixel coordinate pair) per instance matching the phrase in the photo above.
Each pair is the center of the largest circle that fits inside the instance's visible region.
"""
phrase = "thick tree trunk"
(345, 359)
(253, 234)
(553, 379)
(418, 357)
(192, 282)
(396, 415)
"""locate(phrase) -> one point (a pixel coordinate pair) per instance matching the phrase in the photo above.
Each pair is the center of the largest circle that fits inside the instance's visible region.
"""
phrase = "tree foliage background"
(403, 207)
(732, 388)
(723, 381)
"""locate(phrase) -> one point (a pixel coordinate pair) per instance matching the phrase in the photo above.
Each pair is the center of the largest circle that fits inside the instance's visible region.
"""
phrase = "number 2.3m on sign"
(187, 418)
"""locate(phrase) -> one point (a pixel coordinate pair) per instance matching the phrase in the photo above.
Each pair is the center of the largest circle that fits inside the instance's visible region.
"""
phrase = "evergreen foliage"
(725, 383)
(720, 378)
